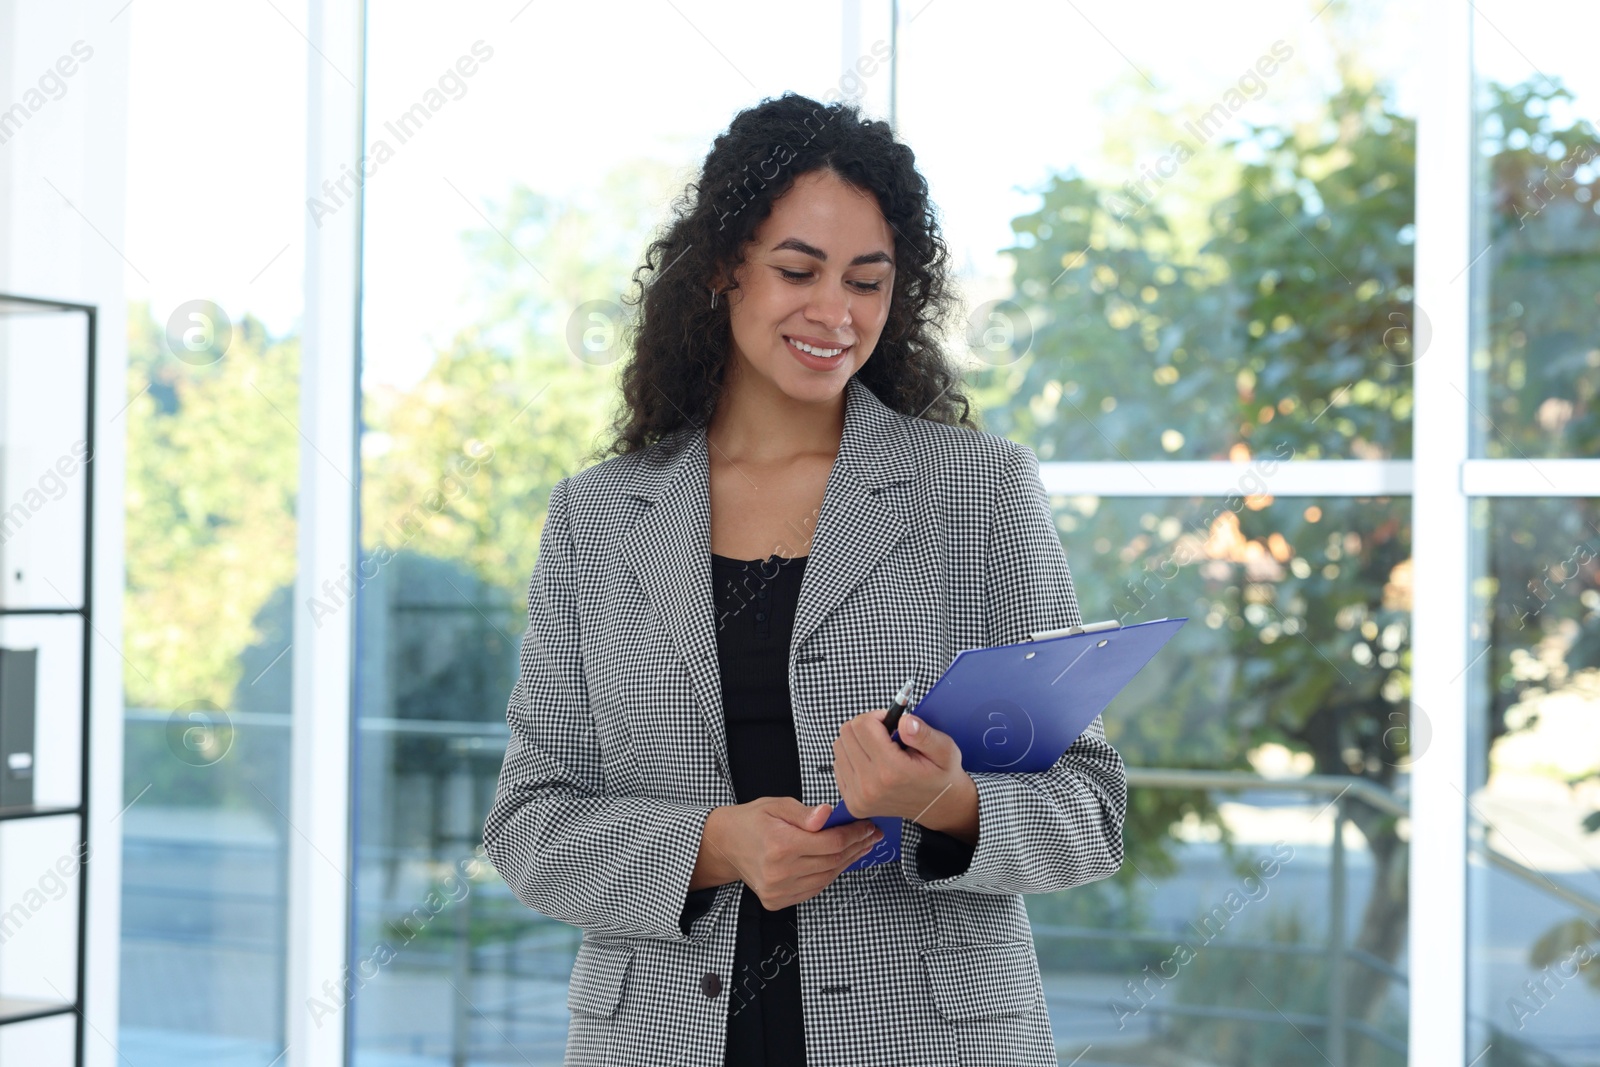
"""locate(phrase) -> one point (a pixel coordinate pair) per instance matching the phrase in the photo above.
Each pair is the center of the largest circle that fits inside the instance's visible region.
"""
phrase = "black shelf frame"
(18, 1010)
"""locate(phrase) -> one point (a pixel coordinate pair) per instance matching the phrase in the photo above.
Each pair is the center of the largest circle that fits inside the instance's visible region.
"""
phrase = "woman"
(800, 515)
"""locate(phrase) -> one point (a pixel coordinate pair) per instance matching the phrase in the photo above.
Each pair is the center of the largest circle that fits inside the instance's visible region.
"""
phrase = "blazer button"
(711, 984)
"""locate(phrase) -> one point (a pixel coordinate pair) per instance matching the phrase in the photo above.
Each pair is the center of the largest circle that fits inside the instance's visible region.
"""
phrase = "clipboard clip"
(1069, 631)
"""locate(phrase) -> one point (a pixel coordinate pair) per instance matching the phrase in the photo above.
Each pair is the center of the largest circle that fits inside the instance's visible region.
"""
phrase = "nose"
(829, 307)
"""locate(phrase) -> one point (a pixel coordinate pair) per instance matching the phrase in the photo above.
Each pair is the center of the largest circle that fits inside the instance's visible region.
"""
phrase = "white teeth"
(824, 352)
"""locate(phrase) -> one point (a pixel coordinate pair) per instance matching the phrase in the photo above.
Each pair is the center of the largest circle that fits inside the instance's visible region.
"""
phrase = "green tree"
(213, 470)
(1539, 605)
(1290, 334)
(1268, 344)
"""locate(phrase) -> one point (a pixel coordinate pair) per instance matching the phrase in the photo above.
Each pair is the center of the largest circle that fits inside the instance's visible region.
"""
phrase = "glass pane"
(1534, 806)
(494, 268)
(1537, 265)
(1175, 238)
(1243, 929)
(213, 469)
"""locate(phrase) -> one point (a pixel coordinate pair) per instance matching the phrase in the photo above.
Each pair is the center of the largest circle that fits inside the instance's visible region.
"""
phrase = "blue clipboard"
(1018, 707)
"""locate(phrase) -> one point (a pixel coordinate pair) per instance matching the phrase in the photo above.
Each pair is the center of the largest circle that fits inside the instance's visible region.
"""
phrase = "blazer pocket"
(598, 975)
(980, 981)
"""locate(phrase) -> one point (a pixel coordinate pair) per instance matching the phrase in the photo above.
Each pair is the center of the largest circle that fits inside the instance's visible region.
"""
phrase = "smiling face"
(818, 272)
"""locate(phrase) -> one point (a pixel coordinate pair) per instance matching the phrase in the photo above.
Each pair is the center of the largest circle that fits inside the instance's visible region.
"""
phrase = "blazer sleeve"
(614, 866)
(1048, 830)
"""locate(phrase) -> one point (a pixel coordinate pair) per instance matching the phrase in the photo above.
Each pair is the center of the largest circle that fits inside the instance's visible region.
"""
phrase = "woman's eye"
(797, 276)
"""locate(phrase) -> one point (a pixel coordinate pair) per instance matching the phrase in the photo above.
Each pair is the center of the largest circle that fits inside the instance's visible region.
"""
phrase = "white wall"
(62, 168)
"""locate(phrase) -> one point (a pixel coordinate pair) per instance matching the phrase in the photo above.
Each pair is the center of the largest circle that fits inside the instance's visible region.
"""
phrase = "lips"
(818, 344)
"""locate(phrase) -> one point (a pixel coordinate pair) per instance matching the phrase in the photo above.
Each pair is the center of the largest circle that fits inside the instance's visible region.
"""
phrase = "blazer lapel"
(669, 546)
(857, 527)
(669, 550)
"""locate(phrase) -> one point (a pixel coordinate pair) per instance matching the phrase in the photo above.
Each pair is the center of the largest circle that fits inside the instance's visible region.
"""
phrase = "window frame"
(1441, 477)
(320, 894)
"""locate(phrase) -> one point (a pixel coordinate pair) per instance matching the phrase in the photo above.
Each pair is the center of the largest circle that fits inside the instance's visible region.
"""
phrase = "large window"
(1534, 773)
(1275, 734)
(1193, 243)
(215, 204)
(1199, 284)
(1196, 305)
(494, 267)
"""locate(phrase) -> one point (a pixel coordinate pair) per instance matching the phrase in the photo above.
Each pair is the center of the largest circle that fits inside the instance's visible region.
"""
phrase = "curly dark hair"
(681, 344)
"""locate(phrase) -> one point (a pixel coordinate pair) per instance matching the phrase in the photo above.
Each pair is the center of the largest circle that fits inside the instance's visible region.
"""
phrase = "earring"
(713, 298)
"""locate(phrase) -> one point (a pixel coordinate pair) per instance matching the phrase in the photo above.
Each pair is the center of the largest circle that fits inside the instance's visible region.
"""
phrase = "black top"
(755, 603)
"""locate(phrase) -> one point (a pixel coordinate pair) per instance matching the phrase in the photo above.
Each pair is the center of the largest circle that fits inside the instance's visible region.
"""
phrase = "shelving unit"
(26, 538)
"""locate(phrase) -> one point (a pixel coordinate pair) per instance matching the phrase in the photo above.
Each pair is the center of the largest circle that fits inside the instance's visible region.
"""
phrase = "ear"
(723, 280)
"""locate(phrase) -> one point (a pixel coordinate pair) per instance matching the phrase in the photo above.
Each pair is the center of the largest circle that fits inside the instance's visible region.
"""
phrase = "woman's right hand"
(777, 847)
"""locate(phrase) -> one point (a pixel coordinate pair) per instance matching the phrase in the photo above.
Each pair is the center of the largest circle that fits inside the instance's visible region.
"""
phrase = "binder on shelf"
(18, 700)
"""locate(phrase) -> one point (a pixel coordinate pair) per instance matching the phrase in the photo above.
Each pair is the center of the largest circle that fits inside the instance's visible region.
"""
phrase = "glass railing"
(1272, 934)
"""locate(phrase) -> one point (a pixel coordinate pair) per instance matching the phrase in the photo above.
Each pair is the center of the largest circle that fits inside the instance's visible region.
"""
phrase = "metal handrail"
(1371, 793)
(1375, 795)
(1534, 878)
(1271, 948)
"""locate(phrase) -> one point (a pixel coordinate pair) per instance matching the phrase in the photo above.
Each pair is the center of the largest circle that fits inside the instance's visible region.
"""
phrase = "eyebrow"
(797, 245)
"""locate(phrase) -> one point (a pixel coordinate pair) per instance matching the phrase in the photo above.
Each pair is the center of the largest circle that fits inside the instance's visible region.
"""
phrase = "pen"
(1084, 628)
(897, 706)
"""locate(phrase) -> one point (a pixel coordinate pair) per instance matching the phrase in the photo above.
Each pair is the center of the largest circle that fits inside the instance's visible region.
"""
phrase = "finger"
(868, 728)
(809, 885)
(807, 839)
(855, 854)
(848, 771)
(852, 740)
(932, 743)
(844, 772)
(839, 839)
(835, 839)
(816, 872)
(884, 767)
(854, 849)
(795, 813)
(875, 740)
(835, 858)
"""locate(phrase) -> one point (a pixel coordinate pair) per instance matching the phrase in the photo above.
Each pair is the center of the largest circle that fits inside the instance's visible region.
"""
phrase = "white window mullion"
(320, 871)
(1219, 478)
(1531, 476)
(1437, 949)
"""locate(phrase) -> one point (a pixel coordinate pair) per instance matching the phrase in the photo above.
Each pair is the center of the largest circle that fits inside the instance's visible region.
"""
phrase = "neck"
(757, 421)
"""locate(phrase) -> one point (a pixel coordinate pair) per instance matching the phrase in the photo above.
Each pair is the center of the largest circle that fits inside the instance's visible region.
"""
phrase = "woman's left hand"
(878, 777)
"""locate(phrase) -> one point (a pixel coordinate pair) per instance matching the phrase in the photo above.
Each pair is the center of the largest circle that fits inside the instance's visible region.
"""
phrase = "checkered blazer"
(930, 539)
